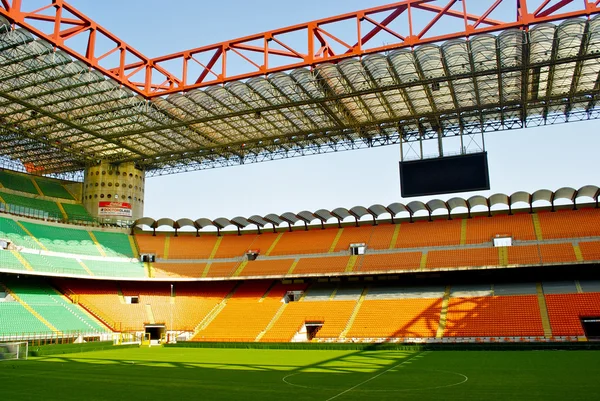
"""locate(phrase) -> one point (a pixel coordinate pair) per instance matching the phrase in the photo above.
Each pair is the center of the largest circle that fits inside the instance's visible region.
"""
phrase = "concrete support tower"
(114, 192)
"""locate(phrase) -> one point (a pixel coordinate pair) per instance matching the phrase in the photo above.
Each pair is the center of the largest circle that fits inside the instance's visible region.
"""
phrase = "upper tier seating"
(259, 267)
(389, 261)
(463, 257)
(235, 246)
(17, 182)
(314, 240)
(484, 229)
(570, 223)
(114, 244)
(76, 212)
(63, 239)
(178, 269)
(187, 246)
(32, 206)
(53, 188)
(429, 233)
(506, 316)
(151, 244)
(10, 229)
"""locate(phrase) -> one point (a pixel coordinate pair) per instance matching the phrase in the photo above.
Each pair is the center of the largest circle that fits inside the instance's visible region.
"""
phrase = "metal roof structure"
(62, 109)
(395, 210)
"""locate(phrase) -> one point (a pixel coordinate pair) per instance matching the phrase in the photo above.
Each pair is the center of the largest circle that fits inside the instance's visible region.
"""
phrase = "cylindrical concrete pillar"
(114, 192)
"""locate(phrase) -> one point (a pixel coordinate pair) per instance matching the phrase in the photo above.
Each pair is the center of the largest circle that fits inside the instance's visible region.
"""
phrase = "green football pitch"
(252, 374)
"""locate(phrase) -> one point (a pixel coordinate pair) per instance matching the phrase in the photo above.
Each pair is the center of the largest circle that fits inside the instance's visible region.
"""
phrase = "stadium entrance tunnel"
(591, 326)
(156, 332)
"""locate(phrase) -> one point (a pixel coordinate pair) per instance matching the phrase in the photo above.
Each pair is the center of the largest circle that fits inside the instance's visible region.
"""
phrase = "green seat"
(53, 188)
(34, 207)
(63, 239)
(114, 244)
(17, 182)
(77, 212)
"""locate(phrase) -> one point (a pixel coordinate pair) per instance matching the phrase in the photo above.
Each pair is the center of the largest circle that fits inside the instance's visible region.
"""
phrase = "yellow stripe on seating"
(167, 245)
(423, 263)
(134, 248)
(537, 227)
(215, 248)
(1, 199)
(31, 235)
(336, 240)
(578, 254)
(206, 269)
(29, 309)
(351, 263)
(238, 271)
(395, 237)
(293, 266)
(24, 262)
(95, 240)
(463, 232)
(274, 244)
(37, 187)
(85, 267)
(62, 210)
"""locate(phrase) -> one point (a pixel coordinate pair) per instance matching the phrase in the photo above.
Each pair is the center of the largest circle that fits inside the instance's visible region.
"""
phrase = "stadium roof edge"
(394, 210)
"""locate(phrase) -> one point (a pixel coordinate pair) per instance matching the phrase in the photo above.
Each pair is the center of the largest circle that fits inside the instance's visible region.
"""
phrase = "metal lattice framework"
(62, 109)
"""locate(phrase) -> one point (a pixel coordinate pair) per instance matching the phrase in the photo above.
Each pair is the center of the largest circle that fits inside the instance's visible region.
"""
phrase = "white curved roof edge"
(394, 209)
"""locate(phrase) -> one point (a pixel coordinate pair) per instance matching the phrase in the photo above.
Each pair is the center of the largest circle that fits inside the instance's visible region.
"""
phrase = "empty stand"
(565, 311)
(151, 244)
(505, 316)
(484, 229)
(267, 267)
(333, 315)
(429, 233)
(235, 246)
(17, 182)
(9, 229)
(393, 318)
(321, 265)
(187, 246)
(301, 242)
(114, 244)
(354, 235)
(463, 258)
(389, 261)
(52, 188)
(32, 206)
(225, 269)
(162, 270)
(51, 306)
(76, 212)
(570, 223)
(63, 239)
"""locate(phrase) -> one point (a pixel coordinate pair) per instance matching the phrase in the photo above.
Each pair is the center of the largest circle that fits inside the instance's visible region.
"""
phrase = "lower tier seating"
(492, 316)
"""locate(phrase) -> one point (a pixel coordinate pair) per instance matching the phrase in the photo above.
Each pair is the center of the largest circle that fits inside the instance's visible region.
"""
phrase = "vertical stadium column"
(114, 192)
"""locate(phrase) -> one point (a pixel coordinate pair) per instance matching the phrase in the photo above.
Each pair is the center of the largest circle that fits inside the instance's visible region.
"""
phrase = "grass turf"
(250, 374)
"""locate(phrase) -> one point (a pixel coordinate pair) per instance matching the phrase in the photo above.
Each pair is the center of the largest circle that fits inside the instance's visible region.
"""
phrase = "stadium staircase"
(443, 313)
(355, 311)
(543, 311)
(29, 309)
(210, 316)
(272, 321)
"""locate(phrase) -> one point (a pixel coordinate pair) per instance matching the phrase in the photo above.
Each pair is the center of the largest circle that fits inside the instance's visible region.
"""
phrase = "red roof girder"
(150, 78)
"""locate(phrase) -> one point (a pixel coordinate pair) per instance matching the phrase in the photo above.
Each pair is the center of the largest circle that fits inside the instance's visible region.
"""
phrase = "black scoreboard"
(444, 175)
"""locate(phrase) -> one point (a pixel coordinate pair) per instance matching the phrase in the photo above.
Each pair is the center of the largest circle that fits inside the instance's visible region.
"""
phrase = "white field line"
(371, 378)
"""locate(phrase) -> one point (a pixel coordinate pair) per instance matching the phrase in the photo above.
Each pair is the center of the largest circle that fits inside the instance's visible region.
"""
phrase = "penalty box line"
(373, 377)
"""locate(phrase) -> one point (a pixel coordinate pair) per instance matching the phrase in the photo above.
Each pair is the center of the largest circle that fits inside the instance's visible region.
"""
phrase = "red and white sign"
(114, 209)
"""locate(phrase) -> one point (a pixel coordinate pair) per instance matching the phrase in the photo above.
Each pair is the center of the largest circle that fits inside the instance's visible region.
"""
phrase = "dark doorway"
(591, 327)
(156, 331)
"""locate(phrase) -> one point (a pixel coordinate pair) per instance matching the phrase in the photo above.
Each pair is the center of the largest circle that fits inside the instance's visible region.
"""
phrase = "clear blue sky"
(530, 159)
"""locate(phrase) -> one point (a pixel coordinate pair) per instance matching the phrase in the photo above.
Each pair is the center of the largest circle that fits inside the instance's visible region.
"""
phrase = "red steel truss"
(258, 55)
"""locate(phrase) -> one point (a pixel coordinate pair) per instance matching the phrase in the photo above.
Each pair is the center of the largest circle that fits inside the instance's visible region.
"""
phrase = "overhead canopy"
(57, 115)
(447, 208)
